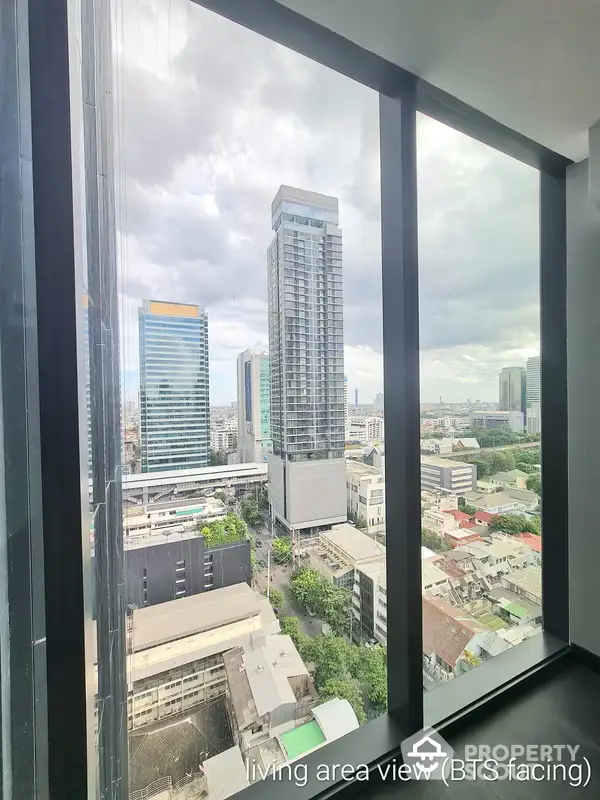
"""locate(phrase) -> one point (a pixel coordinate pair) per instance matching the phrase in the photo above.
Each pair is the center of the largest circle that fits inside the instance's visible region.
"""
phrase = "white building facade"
(307, 468)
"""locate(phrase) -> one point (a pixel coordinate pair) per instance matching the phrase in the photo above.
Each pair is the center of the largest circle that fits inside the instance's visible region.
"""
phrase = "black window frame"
(402, 96)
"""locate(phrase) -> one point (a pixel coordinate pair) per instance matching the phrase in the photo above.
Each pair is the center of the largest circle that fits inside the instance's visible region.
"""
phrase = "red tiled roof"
(484, 516)
(460, 516)
(468, 525)
(530, 539)
(446, 630)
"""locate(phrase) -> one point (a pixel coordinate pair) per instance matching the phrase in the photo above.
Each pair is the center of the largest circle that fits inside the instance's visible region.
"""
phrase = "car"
(371, 643)
(259, 544)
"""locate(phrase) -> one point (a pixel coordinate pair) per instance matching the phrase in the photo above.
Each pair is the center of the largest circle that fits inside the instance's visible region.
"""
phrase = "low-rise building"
(268, 689)
(175, 650)
(454, 477)
(171, 517)
(515, 420)
(328, 722)
(513, 479)
(504, 502)
(434, 580)
(438, 500)
(463, 535)
(497, 558)
(526, 583)
(454, 642)
(438, 522)
(365, 494)
(337, 553)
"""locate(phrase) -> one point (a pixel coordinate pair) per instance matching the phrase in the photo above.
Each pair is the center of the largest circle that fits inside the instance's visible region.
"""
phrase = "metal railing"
(154, 788)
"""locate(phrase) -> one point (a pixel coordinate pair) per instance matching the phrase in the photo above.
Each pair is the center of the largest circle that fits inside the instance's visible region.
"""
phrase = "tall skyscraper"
(534, 396)
(511, 384)
(378, 403)
(346, 415)
(307, 479)
(174, 394)
(253, 406)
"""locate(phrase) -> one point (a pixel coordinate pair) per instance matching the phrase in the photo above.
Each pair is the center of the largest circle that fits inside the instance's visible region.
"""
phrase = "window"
(480, 398)
(200, 164)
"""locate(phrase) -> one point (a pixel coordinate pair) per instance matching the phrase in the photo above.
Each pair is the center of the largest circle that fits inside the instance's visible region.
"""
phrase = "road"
(280, 580)
(484, 450)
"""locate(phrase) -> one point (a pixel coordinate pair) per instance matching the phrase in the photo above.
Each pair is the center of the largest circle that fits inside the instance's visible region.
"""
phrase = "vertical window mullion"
(401, 399)
(553, 379)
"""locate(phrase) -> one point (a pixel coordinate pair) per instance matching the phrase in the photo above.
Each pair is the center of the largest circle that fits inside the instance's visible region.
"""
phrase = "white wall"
(583, 358)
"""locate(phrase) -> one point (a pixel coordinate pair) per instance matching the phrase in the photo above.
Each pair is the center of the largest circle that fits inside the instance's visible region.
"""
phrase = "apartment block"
(306, 350)
(365, 493)
(451, 476)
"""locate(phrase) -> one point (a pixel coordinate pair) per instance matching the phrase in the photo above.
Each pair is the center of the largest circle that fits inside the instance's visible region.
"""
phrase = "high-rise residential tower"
(307, 479)
(253, 406)
(511, 385)
(534, 396)
(174, 395)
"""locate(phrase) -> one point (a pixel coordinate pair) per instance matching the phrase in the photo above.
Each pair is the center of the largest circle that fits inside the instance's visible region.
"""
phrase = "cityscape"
(255, 533)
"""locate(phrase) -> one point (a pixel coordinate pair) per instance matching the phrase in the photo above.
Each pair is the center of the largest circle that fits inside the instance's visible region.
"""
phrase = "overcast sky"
(213, 118)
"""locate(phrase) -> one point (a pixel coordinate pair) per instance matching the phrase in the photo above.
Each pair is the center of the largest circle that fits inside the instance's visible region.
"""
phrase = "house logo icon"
(428, 755)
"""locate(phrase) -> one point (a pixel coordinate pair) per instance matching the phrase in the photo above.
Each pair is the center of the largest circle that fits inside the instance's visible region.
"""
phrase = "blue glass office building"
(174, 386)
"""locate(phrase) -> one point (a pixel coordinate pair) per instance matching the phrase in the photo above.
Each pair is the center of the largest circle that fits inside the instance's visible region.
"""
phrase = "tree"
(276, 598)
(525, 467)
(370, 670)
(466, 508)
(290, 626)
(221, 496)
(282, 550)
(333, 658)
(224, 531)
(319, 595)
(434, 542)
(515, 523)
(534, 483)
(251, 512)
(345, 689)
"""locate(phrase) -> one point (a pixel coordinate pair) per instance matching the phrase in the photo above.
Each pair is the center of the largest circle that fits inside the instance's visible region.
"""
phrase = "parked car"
(259, 543)
(371, 643)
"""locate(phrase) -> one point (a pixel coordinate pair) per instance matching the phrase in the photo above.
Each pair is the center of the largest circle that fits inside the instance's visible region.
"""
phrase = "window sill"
(460, 695)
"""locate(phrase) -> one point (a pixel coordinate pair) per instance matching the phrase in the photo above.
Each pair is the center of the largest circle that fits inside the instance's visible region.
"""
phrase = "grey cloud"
(478, 215)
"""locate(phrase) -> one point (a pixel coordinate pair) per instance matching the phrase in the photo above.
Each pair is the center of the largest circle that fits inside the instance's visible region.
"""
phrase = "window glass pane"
(252, 393)
(480, 401)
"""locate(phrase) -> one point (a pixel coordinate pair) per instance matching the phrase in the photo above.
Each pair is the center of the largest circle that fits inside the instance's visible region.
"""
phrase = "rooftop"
(460, 516)
(492, 500)
(511, 473)
(528, 580)
(361, 469)
(531, 540)
(191, 628)
(302, 739)
(225, 774)
(431, 574)
(268, 669)
(435, 461)
(355, 545)
(484, 516)
(512, 602)
(446, 630)
(336, 718)
(499, 547)
(463, 533)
